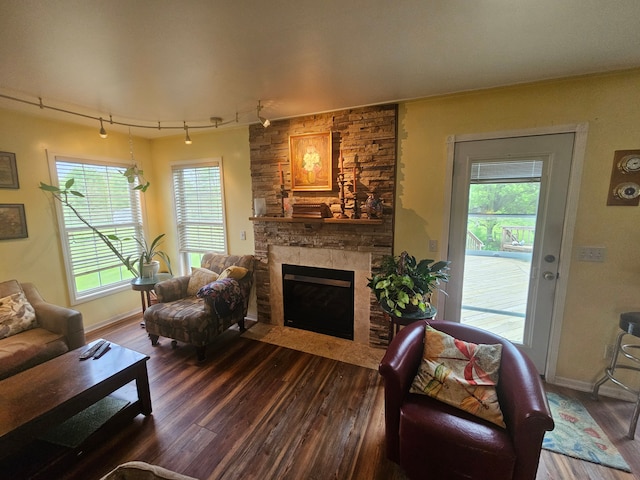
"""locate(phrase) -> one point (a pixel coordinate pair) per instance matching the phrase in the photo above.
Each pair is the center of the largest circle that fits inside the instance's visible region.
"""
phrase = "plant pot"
(150, 269)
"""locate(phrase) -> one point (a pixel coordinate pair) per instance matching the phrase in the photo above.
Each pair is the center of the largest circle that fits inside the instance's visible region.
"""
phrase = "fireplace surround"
(367, 138)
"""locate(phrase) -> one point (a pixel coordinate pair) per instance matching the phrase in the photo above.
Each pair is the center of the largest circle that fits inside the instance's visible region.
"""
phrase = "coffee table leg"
(142, 384)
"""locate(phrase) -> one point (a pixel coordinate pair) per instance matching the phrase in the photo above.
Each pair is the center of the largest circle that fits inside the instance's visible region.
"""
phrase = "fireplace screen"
(318, 299)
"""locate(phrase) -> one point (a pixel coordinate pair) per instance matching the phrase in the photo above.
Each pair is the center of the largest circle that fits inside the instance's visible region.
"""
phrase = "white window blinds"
(199, 202)
(112, 207)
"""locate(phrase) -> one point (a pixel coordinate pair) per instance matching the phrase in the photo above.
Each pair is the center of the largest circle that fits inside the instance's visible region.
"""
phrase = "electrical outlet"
(591, 254)
(433, 245)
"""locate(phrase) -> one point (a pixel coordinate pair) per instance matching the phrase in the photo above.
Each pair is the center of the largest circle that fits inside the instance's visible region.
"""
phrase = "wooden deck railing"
(473, 242)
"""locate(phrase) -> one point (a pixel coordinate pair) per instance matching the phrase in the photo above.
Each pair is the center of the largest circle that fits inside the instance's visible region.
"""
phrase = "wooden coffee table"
(37, 399)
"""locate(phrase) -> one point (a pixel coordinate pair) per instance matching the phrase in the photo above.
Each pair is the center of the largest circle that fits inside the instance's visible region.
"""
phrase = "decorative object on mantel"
(283, 192)
(403, 286)
(8, 170)
(311, 210)
(311, 162)
(259, 207)
(373, 206)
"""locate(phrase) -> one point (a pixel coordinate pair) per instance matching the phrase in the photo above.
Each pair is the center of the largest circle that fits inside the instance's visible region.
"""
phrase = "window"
(200, 217)
(111, 206)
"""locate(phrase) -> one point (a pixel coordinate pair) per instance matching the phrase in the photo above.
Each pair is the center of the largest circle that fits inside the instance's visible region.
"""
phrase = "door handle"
(549, 275)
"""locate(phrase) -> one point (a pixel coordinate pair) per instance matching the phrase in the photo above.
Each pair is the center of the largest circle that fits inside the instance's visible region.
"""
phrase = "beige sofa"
(43, 330)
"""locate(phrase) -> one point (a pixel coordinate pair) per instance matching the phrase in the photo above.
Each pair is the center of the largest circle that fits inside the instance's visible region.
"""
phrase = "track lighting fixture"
(103, 132)
(264, 121)
(215, 122)
(187, 139)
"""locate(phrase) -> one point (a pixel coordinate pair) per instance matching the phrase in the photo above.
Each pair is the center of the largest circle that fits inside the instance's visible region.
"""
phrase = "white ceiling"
(171, 61)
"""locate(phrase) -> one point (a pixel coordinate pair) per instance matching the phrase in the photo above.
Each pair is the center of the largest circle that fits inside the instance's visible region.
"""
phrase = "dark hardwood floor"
(256, 410)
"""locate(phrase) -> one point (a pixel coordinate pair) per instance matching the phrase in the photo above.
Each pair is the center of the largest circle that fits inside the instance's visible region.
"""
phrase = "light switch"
(591, 254)
(243, 235)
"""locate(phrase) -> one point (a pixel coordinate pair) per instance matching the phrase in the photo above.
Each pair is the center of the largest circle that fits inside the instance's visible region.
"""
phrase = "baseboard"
(605, 390)
(112, 320)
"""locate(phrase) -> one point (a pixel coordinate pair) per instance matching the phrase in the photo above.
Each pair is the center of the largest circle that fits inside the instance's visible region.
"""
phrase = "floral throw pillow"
(16, 315)
(461, 374)
(223, 295)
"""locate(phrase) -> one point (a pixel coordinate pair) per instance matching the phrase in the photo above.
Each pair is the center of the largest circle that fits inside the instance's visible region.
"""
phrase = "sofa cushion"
(461, 374)
(29, 348)
(199, 278)
(16, 315)
(9, 287)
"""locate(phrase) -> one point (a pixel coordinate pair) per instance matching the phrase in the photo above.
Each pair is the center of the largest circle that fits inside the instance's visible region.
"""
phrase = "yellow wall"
(232, 145)
(38, 258)
(597, 292)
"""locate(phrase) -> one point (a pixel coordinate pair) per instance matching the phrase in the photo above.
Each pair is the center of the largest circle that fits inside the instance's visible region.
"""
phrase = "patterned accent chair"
(198, 320)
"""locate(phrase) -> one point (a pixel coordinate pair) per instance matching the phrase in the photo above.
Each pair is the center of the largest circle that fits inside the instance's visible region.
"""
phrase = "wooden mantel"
(350, 221)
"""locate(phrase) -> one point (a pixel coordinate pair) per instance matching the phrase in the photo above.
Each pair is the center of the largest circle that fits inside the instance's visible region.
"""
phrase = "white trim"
(605, 391)
(577, 162)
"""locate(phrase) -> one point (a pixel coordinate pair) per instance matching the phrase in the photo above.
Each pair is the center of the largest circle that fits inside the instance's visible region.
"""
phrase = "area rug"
(78, 428)
(577, 435)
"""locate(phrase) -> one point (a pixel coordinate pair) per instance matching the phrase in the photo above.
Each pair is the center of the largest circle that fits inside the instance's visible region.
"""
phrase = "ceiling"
(149, 61)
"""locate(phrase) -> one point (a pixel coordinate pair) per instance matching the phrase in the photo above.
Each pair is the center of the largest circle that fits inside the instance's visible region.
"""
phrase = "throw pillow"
(461, 374)
(16, 315)
(223, 295)
(199, 278)
(234, 272)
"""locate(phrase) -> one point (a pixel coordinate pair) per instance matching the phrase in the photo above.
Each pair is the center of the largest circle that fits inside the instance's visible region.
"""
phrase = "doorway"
(505, 233)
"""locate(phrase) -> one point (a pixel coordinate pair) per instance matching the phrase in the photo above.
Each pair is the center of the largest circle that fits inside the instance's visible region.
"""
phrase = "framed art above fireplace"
(311, 161)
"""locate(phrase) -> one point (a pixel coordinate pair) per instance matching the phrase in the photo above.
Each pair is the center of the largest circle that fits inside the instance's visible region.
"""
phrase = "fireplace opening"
(318, 299)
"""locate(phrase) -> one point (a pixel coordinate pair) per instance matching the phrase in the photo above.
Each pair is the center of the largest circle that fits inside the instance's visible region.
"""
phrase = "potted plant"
(403, 286)
(147, 266)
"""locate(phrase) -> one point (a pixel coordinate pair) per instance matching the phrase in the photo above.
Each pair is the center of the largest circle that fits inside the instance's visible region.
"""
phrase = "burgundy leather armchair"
(432, 440)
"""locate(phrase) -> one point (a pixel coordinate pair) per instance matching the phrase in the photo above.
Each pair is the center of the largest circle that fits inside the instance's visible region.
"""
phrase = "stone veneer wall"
(368, 139)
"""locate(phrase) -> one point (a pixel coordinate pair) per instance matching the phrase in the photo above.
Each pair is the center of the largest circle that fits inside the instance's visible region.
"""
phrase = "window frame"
(75, 296)
(183, 254)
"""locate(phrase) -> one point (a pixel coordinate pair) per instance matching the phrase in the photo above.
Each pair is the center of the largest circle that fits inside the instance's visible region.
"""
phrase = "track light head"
(264, 121)
(103, 132)
(187, 138)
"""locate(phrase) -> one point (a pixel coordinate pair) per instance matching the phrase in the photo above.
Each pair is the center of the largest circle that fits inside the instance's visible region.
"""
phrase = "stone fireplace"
(367, 138)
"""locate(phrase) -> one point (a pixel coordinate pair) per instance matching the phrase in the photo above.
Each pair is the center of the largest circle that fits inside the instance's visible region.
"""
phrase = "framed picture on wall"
(311, 162)
(8, 170)
(13, 223)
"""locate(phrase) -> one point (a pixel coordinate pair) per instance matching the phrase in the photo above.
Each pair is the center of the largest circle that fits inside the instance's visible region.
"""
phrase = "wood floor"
(259, 411)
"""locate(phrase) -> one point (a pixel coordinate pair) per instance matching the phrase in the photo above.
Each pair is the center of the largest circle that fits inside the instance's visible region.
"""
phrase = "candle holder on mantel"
(283, 194)
(341, 182)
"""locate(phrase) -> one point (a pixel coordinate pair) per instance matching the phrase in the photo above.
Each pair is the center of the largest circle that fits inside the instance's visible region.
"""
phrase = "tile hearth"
(317, 344)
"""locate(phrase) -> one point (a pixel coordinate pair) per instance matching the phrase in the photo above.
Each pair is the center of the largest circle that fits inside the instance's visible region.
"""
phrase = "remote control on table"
(101, 351)
(89, 352)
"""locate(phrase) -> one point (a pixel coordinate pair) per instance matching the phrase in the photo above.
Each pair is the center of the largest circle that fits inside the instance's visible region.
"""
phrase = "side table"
(396, 322)
(144, 285)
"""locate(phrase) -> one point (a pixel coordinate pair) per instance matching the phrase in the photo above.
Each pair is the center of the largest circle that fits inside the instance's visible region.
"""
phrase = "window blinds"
(111, 206)
(199, 208)
(506, 171)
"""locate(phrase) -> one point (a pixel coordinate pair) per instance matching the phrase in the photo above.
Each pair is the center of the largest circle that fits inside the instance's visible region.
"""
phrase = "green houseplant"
(133, 263)
(147, 266)
(403, 285)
